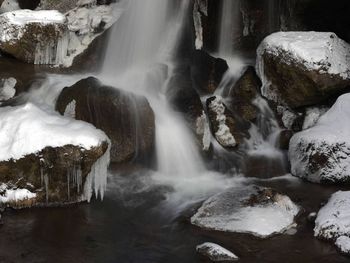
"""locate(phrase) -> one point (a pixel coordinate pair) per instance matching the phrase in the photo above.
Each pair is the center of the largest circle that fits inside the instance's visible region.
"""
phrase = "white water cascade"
(142, 45)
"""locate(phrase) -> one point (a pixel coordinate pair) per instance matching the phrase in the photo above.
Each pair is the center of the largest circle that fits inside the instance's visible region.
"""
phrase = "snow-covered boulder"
(215, 252)
(228, 129)
(259, 211)
(49, 158)
(322, 153)
(127, 119)
(333, 221)
(303, 68)
(34, 36)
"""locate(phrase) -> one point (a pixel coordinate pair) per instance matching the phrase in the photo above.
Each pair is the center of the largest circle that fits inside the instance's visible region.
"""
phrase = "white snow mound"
(27, 129)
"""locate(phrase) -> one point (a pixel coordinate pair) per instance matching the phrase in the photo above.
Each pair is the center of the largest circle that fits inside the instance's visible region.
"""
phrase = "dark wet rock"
(284, 139)
(259, 211)
(28, 4)
(62, 5)
(207, 72)
(294, 77)
(127, 119)
(243, 93)
(228, 129)
(215, 252)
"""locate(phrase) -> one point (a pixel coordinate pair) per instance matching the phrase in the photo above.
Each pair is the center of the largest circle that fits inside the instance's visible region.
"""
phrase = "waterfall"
(140, 58)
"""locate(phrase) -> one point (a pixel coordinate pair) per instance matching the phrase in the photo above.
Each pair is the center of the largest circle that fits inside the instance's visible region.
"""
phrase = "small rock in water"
(215, 252)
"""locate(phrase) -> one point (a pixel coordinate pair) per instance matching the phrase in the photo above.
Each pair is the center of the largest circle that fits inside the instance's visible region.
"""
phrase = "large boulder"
(303, 68)
(332, 222)
(228, 128)
(47, 159)
(322, 153)
(127, 119)
(207, 72)
(254, 210)
(33, 36)
(243, 93)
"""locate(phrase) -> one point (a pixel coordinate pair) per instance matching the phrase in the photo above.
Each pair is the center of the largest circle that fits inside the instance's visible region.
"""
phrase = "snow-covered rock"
(332, 222)
(255, 210)
(85, 24)
(59, 159)
(222, 132)
(303, 68)
(215, 252)
(16, 197)
(322, 153)
(34, 36)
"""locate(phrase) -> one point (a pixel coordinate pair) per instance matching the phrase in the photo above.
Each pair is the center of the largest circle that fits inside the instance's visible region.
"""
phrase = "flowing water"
(145, 215)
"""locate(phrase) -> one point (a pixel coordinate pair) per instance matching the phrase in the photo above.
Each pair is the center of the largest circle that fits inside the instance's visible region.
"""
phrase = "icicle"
(96, 181)
(46, 180)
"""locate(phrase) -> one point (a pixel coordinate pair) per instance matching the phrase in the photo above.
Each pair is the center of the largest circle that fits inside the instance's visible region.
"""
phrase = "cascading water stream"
(140, 59)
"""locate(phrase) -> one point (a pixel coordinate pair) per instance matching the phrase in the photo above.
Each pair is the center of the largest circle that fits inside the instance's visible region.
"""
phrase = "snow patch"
(215, 252)
(8, 195)
(312, 115)
(223, 133)
(288, 116)
(27, 129)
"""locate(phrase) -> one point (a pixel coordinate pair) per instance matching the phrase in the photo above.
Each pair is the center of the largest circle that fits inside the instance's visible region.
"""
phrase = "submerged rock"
(322, 153)
(207, 72)
(259, 211)
(31, 35)
(127, 119)
(215, 252)
(227, 128)
(47, 159)
(303, 68)
(332, 222)
(243, 93)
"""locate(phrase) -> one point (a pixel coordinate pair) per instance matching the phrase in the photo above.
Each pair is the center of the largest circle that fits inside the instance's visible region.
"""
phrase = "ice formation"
(202, 129)
(312, 116)
(200, 8)
(8, 6)
(28, 129)
(215, 252)
(70, 109)
(322, 153)
(231, 211)
(223, 133)
(7, 88)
